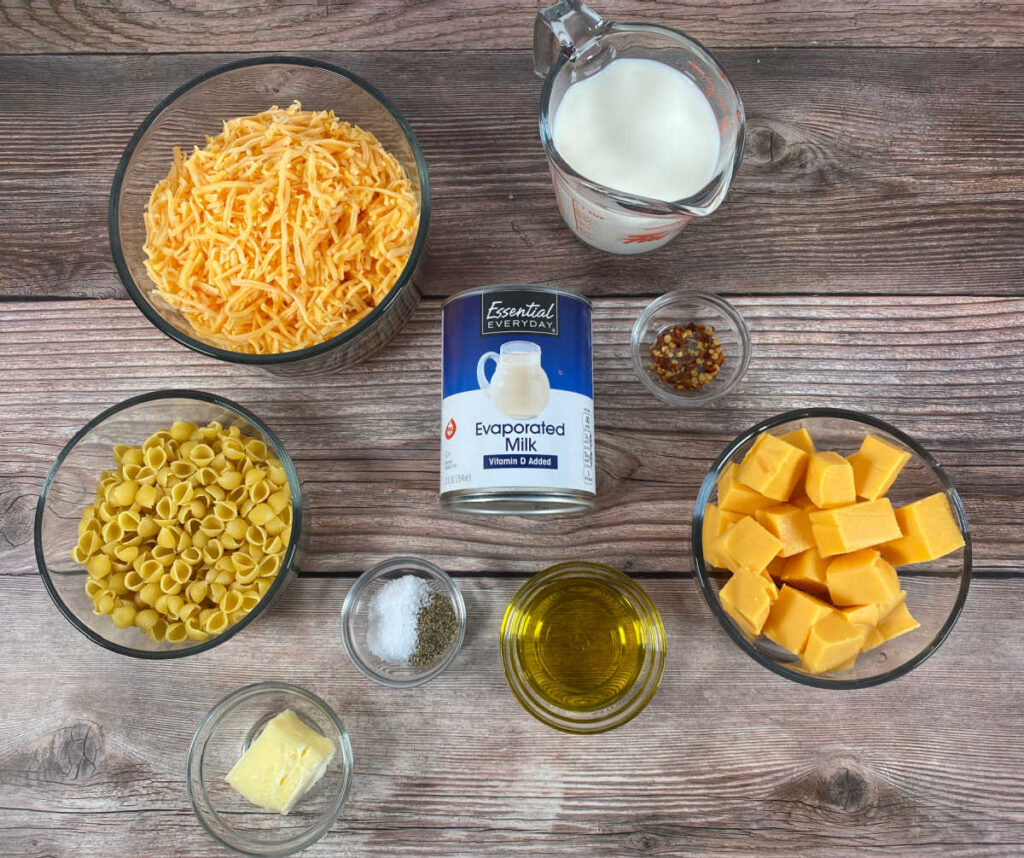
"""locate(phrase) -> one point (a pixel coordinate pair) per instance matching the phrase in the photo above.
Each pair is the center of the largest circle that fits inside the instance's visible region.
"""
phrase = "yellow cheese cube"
(929, 532)
(876, 465)
(736, 497)
(861, 615)
(282, 764)
(861, 578)
(806, 571)
(745, 547)
(832, 642)
(899, 622)
(790, 525)
(791, 617)
(846, 665)
(772, 467)
(800, 438)
(716, 522)
(873, 638)
(829, 482)
(889, 605)
(850, 528)
(747, 599)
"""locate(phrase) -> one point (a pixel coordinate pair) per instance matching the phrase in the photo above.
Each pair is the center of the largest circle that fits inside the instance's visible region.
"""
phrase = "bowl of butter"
(832, 547)
(269, 769)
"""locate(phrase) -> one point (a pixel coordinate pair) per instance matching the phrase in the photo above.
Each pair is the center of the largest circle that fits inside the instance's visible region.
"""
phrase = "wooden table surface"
(874, 240)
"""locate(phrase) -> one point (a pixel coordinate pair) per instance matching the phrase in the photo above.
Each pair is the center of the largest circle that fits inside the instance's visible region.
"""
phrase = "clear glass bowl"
(225, 733)
(71, 486)
(681, 308)
(199, 108)
(628, 702)
(355, 621)
(936, 591)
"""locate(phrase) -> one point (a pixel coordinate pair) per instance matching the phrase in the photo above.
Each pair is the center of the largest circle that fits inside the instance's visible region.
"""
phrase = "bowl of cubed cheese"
(269, 769)
(832, 547)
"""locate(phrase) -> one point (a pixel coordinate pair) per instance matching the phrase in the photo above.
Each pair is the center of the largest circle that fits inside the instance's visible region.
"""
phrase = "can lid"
(534, 287)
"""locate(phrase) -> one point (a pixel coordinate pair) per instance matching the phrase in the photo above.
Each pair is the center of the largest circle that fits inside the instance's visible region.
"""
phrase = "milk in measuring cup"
(641, 127)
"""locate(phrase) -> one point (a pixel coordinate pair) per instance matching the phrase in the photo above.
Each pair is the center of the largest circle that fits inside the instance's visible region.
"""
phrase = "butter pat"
(286, 760)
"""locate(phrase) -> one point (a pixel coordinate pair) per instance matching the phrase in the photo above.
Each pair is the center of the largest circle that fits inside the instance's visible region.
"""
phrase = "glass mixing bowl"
(71, 486)
(225, 733)
(936, 591)
(606, 702)
(199, 108)
(355, 621)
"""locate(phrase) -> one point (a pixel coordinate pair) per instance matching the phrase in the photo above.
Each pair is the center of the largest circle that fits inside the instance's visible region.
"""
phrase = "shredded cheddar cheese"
(286, 229)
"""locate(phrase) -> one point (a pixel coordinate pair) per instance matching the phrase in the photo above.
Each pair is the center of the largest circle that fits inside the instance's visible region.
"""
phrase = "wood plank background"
(872, 240)
(829, 199)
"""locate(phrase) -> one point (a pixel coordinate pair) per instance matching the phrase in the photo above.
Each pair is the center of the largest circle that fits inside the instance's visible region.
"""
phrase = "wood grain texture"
(366, 441)
(31, 26)
(863, 173)
(92, 758)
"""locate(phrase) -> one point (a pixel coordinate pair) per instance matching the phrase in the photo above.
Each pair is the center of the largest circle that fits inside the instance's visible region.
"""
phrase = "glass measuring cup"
(571, 42)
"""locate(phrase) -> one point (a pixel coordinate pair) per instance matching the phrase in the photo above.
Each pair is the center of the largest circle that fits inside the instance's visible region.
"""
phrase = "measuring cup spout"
(568, 27)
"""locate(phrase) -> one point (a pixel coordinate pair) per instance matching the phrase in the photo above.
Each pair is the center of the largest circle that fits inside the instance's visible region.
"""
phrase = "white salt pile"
(394, 613)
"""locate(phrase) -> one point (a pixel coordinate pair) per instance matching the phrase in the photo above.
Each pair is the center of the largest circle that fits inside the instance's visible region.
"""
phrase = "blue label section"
(565, 357)
(521, 460)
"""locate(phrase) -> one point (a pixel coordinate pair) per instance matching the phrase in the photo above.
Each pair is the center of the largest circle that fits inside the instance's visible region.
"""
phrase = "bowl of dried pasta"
(168, 524)
(273, 212)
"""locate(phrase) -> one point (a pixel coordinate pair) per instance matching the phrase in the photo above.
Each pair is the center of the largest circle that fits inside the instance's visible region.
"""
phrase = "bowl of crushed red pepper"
(690, 347)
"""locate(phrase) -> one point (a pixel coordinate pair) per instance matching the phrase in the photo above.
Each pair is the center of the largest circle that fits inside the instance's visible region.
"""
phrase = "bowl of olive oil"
(583, 647)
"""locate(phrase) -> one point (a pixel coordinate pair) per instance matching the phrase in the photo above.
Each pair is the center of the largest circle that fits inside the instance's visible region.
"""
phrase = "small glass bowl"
(199, 108)
(355, 621)
(628, 702)
(936, 591)
(681, 308)
(71, 486)
(225, 733)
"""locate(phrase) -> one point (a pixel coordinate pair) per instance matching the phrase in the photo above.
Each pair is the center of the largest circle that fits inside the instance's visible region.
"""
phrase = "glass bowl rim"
(365, 580)
(721, 305)
(627, 200)
(349, 334)
(704, 580)
(221, 708)
(293, 481)
(652, 622)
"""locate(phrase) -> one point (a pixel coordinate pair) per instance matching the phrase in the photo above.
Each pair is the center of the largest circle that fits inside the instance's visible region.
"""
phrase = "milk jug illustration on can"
(519, 386)
(517, 413)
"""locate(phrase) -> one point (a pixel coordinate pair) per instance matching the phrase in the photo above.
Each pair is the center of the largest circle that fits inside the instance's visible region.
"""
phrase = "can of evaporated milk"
(517, 408)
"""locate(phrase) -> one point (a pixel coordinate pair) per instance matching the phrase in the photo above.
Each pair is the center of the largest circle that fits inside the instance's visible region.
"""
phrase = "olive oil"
(581, 644)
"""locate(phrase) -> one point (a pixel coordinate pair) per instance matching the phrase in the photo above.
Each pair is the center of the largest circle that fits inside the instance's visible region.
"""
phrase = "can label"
(518, 395)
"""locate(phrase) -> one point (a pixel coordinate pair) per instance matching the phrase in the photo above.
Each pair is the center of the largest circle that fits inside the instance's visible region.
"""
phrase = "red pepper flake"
(686, 357)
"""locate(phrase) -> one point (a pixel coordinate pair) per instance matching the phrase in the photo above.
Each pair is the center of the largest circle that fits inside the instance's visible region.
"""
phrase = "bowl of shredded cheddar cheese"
(273, 212)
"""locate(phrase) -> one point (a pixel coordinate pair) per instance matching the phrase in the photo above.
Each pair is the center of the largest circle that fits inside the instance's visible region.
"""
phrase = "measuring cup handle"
(481, 366)
(568, 27)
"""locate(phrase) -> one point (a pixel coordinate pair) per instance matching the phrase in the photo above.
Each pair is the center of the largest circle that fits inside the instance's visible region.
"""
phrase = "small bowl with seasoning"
(690, 348)
(403, 622)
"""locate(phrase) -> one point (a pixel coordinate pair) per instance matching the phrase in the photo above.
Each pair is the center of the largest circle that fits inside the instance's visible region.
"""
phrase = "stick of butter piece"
(286, 760)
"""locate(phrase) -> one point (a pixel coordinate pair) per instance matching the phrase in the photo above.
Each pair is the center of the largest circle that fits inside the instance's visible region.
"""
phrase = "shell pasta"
(187, 534)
